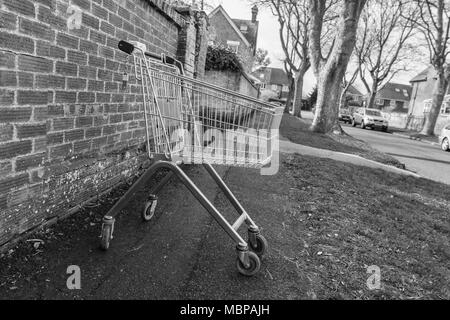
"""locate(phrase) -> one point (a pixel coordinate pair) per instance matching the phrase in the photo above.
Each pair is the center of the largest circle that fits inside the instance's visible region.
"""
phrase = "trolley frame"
(248, 252)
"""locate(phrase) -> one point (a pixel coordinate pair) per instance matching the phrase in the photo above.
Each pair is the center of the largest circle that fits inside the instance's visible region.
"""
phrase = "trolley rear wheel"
(259, 246)
(149, 209)
(106, 236)
(252, 268)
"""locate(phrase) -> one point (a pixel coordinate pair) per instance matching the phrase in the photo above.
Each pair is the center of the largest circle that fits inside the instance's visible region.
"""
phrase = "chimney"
(254, 13)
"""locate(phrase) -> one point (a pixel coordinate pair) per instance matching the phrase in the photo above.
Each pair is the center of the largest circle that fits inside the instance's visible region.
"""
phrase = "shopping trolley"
(188, 121)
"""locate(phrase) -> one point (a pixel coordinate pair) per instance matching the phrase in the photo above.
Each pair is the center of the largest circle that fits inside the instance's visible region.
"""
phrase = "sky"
(268, 39)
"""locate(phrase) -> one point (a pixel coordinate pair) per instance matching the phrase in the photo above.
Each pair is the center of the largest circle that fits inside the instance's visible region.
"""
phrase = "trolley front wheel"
(106, 236)
(253, 266)
(149, 209)
(259, 245)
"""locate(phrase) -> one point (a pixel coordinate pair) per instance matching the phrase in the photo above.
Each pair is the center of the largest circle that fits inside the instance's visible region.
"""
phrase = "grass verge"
(326, 227)
(297, 131)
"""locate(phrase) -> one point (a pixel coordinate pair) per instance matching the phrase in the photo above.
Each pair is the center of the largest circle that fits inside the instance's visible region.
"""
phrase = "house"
(354, 96)
(239, 35)
(394, 97)
(423, 86)
(274, 79)
(422, 93)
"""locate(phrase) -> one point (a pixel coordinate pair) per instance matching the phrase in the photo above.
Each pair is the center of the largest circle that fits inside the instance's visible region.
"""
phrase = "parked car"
(369, 118)
(345, 115)
(444, 138)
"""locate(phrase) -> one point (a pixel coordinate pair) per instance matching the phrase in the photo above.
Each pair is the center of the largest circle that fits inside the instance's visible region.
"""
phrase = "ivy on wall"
(222, 58)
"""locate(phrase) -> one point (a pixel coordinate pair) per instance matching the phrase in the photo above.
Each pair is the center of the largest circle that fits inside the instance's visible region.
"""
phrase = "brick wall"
(234, 81)
(69, 130)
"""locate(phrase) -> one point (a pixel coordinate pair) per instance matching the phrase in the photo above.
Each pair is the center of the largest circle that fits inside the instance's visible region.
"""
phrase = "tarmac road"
(425, 159)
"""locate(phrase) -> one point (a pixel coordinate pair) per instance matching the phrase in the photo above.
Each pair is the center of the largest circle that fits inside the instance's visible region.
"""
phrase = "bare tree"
(290, 97)
(347, 82)
(330, 69)
(434, 23)
(386, 27)
(293, 18)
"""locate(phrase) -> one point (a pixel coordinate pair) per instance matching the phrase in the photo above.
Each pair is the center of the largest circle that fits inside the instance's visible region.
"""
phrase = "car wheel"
(353, 123)
(445, 145)
(363, 126)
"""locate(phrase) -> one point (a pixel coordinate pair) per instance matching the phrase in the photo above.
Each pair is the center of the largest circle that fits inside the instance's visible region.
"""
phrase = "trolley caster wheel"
(258, 245)
(149, 209)
(252, 268)
(106, 236)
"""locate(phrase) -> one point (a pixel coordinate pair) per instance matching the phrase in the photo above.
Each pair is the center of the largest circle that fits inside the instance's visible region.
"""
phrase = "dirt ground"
(325, 221)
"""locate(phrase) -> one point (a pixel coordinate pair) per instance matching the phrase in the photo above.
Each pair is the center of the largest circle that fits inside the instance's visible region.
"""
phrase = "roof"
(425, 75)
(422, 76)
(278, 76)
(395, 91)
(271, 76)
(231, 22)
(352, 90)
(252, 30)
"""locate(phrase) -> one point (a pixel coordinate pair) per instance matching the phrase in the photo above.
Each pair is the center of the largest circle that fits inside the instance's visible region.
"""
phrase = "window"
(445, 109)
(379, 102)
(233, 45)
(399, 104)
(244, 28)
(426, 106)
(405, 93)
(263, 85)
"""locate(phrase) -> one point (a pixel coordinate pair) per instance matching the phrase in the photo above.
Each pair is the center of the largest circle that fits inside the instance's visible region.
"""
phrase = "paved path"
(150, 260)
(425, 159)
(290, 147)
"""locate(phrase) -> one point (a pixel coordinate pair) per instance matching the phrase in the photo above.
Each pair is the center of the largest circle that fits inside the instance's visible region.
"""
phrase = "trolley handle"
(129, 48)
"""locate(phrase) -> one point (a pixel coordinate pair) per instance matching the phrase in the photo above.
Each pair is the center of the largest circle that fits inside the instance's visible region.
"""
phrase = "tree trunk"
(438, 97)
(290, 97)
(343, 98)
(331, 73)
(298, 94)
(327, 106)
(371, 100)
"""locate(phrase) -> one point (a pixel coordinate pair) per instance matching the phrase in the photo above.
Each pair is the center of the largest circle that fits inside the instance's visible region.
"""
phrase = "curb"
(415, 138)
(287, 146)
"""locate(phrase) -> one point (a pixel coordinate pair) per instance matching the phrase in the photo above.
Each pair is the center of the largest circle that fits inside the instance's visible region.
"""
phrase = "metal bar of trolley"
(188, 121)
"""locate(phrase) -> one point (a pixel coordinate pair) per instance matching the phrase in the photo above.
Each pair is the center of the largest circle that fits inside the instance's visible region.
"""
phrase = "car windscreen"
(373, 113)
